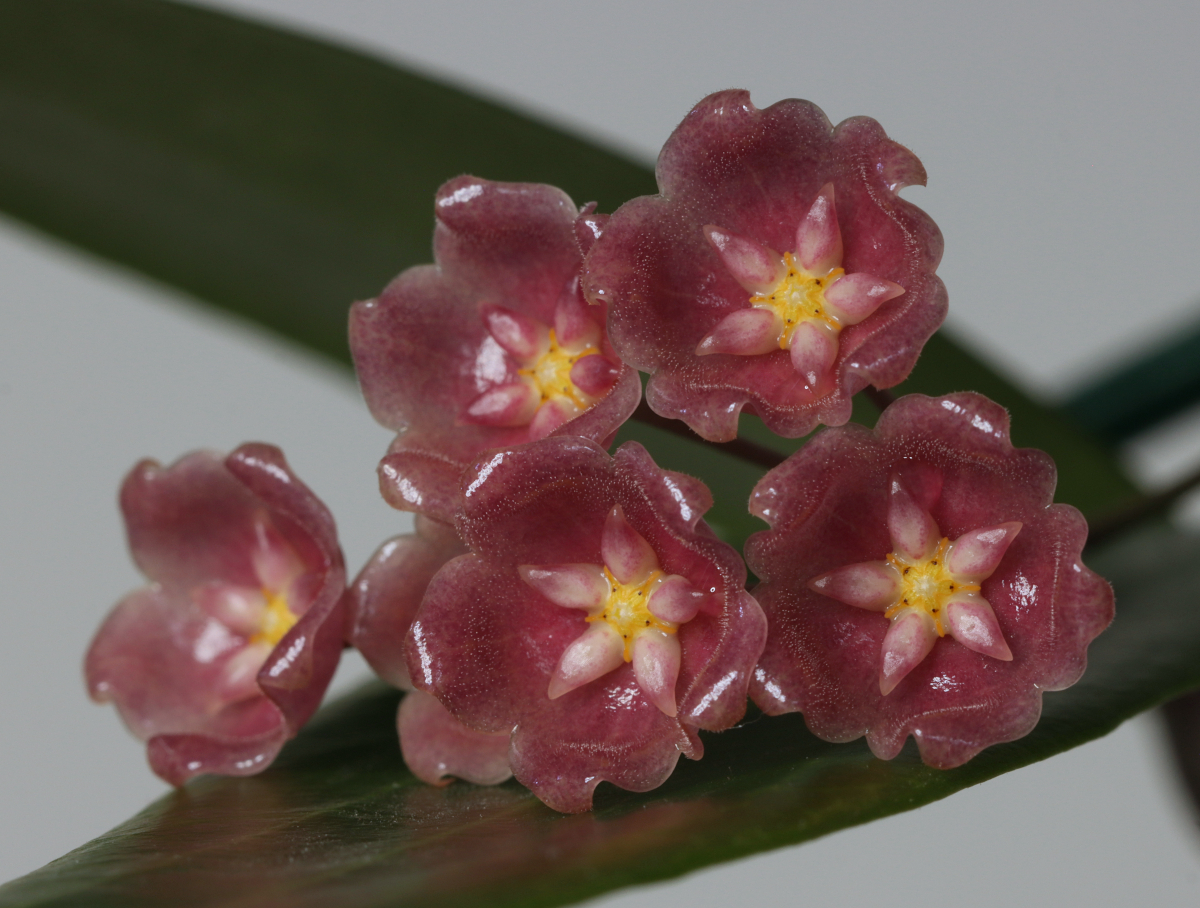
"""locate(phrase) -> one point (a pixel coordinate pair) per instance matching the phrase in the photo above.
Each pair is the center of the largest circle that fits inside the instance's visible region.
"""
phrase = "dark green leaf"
(339, 821)
(1141, 393)
(276, 176)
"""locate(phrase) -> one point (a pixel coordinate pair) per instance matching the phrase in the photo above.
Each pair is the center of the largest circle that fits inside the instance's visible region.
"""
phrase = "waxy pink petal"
(625, 552)
(274, 561)
(906, 644)
(675, 600)
(870, 585)
(594, 374)
(746, 332)
(755, 174)
(239, 674)
(975, 555)
(427, 353)
(508, 405)
(756, 267)
(212, 535)
(525, 338)
(656, 657)
(575, 324)
(581, 586)
(239, 608)
(828, 508)
(814, 348)
(550, 416)
(971, 621)
(818, 239)
(387, 592)
(853, 297)
(595, 652)
(487, 644)
(914, 533)
(437, 747)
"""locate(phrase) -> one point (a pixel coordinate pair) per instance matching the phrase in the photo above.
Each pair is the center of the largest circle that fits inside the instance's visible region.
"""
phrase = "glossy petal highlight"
(739, 187)
(228, 650)
(508, 637)
(933, 470)
(464, 356)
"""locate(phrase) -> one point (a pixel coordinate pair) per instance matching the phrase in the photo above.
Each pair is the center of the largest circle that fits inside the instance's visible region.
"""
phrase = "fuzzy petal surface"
(828, 506)
(442, 337)
(757, 174)
(207, 696)
(487, 642)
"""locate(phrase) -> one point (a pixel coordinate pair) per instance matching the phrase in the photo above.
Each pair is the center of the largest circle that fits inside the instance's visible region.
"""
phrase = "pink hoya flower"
(776, 270)
(597, 619)
(918, 580)
(228, 650)
(381, 604)
(491, 347)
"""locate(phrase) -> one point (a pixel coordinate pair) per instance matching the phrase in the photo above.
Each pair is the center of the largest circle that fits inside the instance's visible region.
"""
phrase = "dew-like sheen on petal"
(853, 297)
(871, 585)
(907, 642)
(597, 651)
(746, 332)
(656, 657)
(756, 267)
(818, 239)
(977, 553)
(626, 553)
(914, 533)
(814, 348)
(580, 586)
(971, 621)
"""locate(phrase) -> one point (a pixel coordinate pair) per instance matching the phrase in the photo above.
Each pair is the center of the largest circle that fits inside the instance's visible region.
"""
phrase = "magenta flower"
(918, 580)
(776, 270)
(597, 618)
(493, 346)
(381, 604)
(228, 651)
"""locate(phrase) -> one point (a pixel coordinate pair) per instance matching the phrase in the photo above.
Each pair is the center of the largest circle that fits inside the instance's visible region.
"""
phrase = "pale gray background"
(1061, 144)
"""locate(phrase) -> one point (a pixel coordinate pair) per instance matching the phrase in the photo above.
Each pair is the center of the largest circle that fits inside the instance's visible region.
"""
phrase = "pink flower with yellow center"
(492, 346)
(776, 271)
(596, 620)
(634, 611)
(800, 301)
(381, 604)
(927, 587)
(229, 649)
(919, 580)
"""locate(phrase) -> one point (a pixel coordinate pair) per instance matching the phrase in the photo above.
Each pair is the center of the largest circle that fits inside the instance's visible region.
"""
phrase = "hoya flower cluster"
(562, 614)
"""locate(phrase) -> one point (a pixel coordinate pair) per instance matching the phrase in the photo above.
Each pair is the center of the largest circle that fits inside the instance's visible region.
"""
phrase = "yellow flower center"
(798, 296)
(927, 585)
(277, 621)
(627, 611)
(551, 374)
